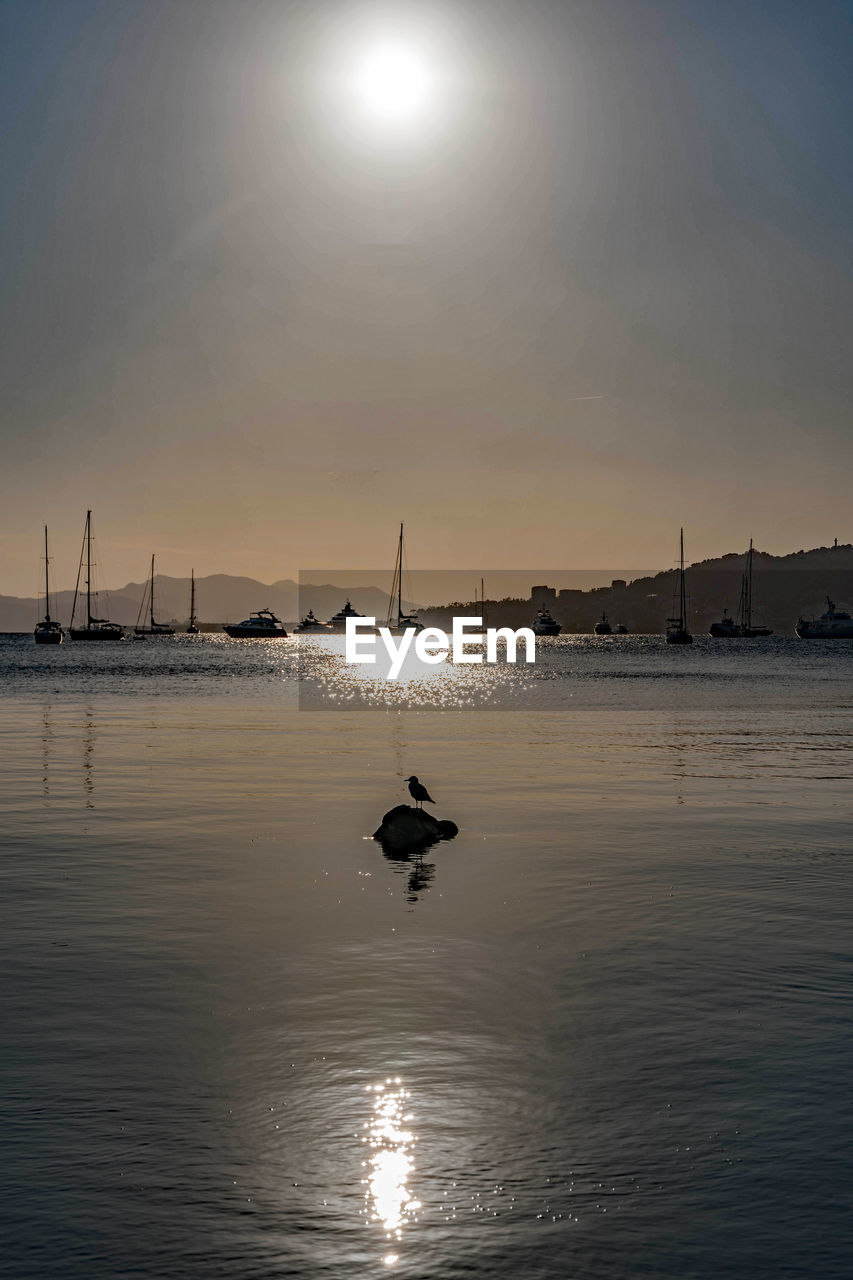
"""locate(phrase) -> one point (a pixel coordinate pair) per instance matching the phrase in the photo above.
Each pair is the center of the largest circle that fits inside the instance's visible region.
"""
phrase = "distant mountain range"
(219, 598)
(783, 586)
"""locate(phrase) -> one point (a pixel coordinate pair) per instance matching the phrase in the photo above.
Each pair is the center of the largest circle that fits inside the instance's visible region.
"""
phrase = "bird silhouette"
(418, 791)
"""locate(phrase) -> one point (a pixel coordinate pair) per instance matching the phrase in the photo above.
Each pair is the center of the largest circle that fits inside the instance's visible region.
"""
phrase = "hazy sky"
(595, 283)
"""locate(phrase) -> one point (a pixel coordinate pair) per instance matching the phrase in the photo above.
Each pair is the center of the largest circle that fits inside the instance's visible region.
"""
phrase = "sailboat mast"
(46, 579)
(400, 577)
(151, 596)
(683, 595)
(396, 585)
(89, 569)
(749, 586)
(192, 597)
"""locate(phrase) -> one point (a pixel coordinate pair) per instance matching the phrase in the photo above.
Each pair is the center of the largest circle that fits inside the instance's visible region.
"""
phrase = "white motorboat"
(835, 624)
(263, 625)
(311, 625)
(339, 622)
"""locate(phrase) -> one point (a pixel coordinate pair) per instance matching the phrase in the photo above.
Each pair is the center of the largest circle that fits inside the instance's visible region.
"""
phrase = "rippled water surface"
(603, 1033)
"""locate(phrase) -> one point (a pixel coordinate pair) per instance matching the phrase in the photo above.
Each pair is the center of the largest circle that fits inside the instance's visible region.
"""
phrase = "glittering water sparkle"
(388, 1200)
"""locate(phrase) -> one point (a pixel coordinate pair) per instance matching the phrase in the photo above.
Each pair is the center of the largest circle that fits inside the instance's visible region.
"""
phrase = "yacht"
(544, 624)
(48, 631)
(339, 622)
(620, 629)
(397, 621)
(835, 624)
(676, 627)
(603, 628)
(147, 606)
(95, 628)
(311, 625)
(192, 626)
(726, 628)
(740, 628)
(263, 625)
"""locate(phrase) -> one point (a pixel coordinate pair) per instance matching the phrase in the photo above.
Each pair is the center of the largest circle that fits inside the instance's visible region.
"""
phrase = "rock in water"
(406, 828)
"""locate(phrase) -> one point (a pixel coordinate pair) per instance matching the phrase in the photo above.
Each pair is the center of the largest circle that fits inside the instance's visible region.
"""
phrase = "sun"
(393, 83)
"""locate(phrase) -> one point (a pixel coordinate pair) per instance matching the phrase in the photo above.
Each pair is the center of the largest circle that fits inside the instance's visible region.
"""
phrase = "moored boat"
(740, 628)
(48, 631)
(153, 628)
(620, 629)
(603, 627)
(263, 625)
(311, 625)
(726, 628)
(676, 627)
(192, 626)
(338, 623)
(397, 621)
(835, 624)
(544, 624)
(96, 629)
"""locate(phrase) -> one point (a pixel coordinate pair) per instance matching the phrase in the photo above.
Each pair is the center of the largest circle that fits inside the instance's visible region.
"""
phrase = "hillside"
(784, 587)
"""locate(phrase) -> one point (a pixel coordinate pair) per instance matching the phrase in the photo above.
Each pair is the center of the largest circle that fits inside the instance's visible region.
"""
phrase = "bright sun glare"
(393, 83)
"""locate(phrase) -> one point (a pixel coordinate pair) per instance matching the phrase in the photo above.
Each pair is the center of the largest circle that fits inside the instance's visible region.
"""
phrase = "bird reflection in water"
(388, 1200)
(419, 874)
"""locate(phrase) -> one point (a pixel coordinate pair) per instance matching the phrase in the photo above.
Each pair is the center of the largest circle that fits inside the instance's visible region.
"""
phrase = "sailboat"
(192, 629)
(480, 603)
(676, 628)
(153, 628)
(397, 621)
(48, 631)
(740, 628)
(95, 628)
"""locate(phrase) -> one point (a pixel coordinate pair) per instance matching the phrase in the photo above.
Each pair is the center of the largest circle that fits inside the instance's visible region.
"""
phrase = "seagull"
(418, 791)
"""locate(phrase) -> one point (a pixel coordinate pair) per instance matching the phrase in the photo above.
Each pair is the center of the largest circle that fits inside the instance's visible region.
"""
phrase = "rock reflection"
(406, 835)
(388, 1200)
(419, 874)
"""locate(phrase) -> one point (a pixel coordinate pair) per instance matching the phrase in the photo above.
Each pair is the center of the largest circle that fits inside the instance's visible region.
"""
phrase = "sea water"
(603, 1033)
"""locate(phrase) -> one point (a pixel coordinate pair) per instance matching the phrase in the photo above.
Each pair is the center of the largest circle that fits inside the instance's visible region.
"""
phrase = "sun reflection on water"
(388, 1200)
(327, 679)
